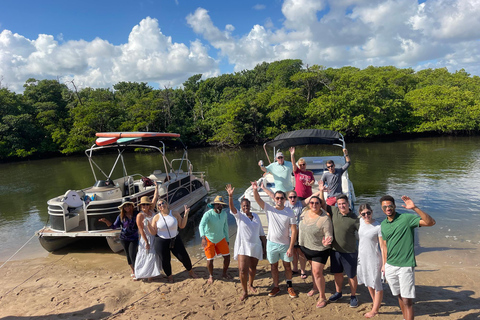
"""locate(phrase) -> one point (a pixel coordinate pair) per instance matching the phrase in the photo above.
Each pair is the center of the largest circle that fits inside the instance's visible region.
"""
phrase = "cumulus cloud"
(333, 33)
(360, 33)
(148, 56)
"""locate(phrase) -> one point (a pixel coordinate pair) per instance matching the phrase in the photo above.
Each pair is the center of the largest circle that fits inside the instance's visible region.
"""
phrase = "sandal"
(321, 304)
(312, 292)
(303, 276)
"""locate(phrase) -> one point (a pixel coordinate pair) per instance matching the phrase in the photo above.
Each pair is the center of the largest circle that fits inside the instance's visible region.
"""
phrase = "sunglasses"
(161, 203)
(279, 198)
(279, 157)
(387, 207)
(363, 214)
(292, 197)
(328, 167)
(145, 204)
(302, 164)
(315, 203)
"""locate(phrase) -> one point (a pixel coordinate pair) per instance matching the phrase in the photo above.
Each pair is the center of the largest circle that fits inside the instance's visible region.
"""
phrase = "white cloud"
(259, 7)
(148, 56)
(333, 33)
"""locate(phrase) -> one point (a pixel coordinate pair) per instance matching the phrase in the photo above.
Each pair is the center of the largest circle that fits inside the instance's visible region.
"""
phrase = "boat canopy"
(128, 138)
(306, 136)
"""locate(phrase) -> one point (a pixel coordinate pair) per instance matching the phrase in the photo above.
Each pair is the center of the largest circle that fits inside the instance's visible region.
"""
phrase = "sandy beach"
(97, 285)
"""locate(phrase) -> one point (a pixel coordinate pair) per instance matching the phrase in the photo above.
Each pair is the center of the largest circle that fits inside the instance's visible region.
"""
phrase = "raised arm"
(347, 157)
(230, 190)
(267, 190)
(155, 196)
(292, 158)
(182, 222)
(262, 167)
(426, 219)
(256, 196)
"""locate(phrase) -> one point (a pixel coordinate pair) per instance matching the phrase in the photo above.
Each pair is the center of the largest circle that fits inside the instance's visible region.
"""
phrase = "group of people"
(149, 237)
(302, 226)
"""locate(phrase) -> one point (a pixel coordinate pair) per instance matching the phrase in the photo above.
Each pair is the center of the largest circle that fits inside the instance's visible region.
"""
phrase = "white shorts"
(401, 280)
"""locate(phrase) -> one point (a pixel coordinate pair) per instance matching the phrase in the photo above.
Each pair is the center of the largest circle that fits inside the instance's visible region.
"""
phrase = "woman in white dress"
(250, 244)
(371, 253)
(147, 263)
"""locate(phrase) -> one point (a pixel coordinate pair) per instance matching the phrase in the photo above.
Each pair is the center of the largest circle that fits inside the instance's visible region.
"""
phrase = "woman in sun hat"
(129, 231)
(214, 233)
(147, 264)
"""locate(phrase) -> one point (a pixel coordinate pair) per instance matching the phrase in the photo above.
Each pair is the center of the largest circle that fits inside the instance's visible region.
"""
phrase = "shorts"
(220, 248)
(401, 280)
(344, 262)
(317, 256)
(277, 251)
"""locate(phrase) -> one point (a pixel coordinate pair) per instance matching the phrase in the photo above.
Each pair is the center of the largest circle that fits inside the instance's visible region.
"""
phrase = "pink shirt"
(301, 177)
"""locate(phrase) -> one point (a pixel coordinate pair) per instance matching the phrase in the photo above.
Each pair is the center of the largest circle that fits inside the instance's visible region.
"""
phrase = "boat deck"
(77, 232)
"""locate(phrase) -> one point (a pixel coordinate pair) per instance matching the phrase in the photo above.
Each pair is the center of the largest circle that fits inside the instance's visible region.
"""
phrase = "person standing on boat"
(282, 172)
(304, 178)
(280, 245)
(129, 231)
(332, 179)
(147, 264)
(344, 254)
(250, 244)
(214, 233)
(398, 232)
(165, 225)
(371, 252)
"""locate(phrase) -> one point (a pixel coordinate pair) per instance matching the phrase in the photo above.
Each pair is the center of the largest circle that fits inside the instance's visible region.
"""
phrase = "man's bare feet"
(243, 296)
(192, 274)
(210, 280)
(370, 314)
(252, 289)
(312, 292)
(227, 276)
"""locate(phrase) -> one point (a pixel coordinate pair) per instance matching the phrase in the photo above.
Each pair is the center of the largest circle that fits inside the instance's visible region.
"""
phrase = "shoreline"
(86, 285)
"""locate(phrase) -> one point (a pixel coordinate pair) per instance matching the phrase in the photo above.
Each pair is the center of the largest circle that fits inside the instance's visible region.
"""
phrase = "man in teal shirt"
(282, 172)
(214, 232)
(398, 233)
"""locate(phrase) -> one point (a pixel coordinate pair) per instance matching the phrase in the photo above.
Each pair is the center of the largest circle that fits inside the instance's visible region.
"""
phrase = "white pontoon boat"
(75, 214)
(316, 164)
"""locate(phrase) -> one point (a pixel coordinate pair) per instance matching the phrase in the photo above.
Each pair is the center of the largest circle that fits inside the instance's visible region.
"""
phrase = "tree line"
(245, 107)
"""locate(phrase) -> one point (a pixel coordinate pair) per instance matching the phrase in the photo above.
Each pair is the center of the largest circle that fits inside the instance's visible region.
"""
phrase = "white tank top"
(166, 224)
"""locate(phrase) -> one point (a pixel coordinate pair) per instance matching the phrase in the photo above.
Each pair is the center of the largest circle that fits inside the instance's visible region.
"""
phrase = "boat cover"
(304, 137)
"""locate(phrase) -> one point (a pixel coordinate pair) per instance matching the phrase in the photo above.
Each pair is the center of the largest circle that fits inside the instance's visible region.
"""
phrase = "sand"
(97, 285)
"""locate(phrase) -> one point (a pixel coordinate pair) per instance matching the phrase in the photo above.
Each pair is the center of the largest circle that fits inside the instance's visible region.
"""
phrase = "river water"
(441, 175)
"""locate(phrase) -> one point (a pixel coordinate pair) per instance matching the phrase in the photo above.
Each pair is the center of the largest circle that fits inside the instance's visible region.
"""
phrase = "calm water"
(441, 175)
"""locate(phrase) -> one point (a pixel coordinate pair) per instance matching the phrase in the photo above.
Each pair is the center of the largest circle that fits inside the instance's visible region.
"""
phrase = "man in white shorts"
(398, 233)
(280, 246)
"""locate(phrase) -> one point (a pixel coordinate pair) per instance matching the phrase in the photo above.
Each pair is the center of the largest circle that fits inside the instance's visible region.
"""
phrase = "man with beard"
(280, 246)
(398, 234)
(214, 233)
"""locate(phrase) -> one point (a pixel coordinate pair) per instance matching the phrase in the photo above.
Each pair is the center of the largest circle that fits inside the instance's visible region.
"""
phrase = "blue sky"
(99, 43)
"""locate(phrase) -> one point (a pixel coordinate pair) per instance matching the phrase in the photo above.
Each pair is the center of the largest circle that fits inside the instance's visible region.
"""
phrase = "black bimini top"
(306, 136)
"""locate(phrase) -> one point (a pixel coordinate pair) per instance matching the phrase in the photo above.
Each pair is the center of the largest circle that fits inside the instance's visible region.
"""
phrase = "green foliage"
(249, 106)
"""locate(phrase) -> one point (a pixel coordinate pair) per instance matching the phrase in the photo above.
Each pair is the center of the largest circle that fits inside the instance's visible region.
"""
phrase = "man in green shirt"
(398, 234)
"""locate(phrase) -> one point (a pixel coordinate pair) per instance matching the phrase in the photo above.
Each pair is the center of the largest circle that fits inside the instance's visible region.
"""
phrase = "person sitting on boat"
(127, 220)
(304, 178)
(214, 233)
(147, 264)
(297, 206)
(280, 245)
(282, 172)
(250, 244)
(165, 225)
(332, 179)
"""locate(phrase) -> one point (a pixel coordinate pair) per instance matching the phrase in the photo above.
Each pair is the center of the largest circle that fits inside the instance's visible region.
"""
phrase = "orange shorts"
(220, 248)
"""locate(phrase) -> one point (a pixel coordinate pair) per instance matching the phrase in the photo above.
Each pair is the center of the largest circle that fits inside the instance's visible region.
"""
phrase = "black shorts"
(344, 262)
(314, 255)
